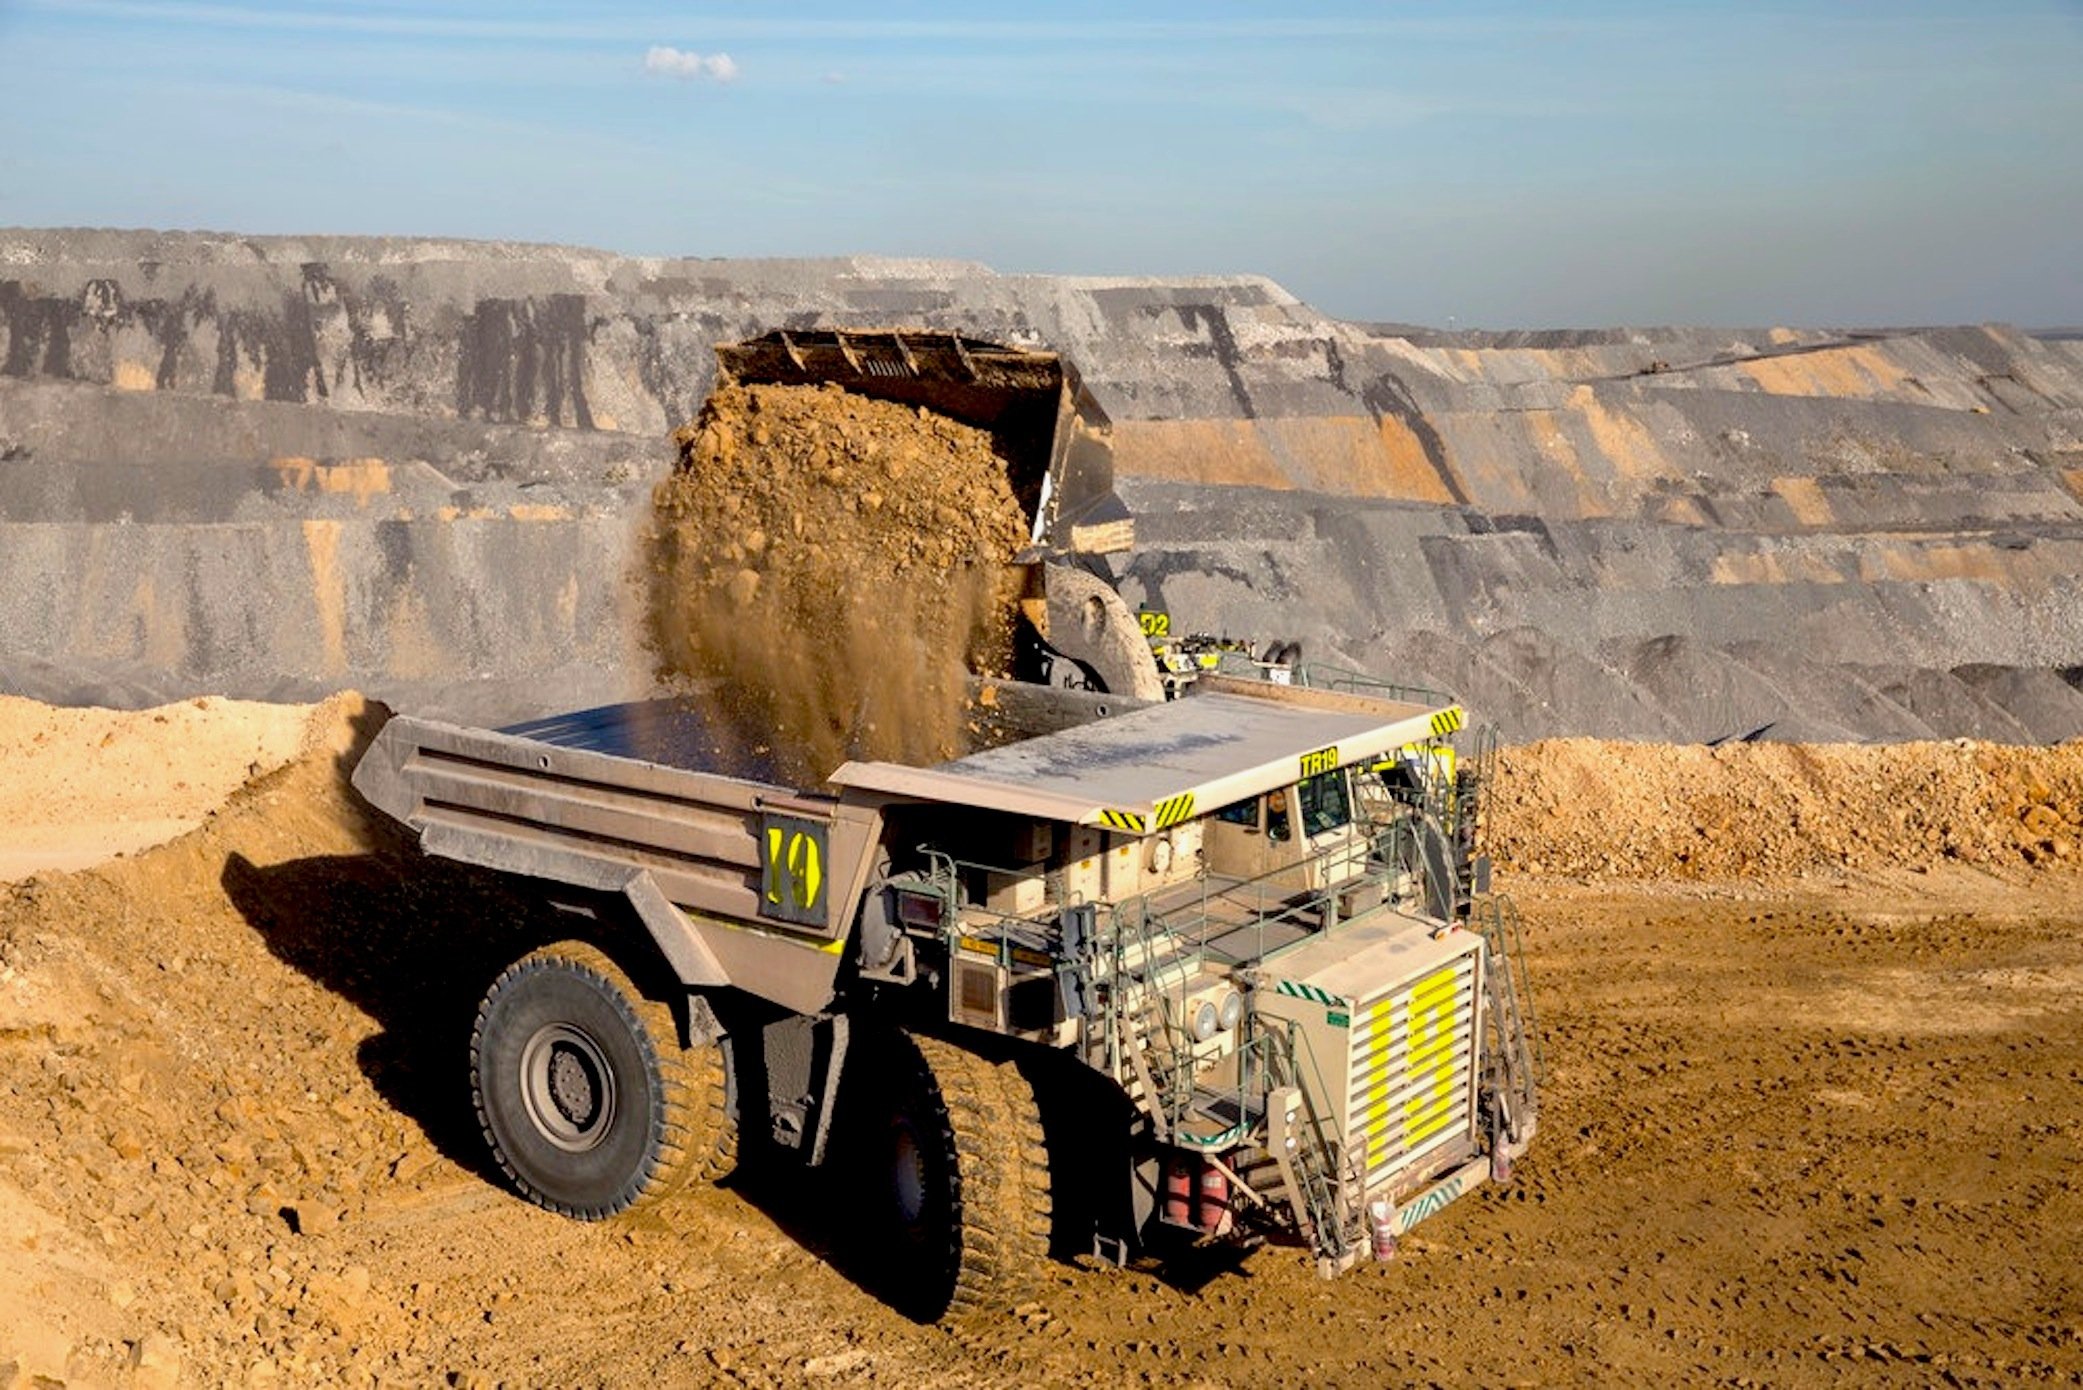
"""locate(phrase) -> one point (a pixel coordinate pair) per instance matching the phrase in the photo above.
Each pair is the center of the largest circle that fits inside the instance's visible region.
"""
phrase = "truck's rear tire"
(585, 1095)
(957, 1181)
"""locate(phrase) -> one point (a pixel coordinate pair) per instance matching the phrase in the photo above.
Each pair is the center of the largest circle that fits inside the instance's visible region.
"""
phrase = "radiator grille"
(1411, 1087)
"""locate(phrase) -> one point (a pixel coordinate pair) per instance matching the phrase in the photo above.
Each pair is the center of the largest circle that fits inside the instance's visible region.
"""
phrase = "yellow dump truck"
(1252, 991)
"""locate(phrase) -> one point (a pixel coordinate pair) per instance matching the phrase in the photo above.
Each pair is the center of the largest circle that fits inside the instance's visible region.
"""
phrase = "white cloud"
(690, 66)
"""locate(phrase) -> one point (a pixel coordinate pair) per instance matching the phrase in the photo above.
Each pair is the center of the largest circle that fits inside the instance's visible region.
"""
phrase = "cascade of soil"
(827, 570)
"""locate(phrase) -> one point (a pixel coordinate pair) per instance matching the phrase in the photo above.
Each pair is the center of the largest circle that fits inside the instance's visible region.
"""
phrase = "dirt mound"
(1583, 807)
(162, 1120)
(835, 564)
(151, 774)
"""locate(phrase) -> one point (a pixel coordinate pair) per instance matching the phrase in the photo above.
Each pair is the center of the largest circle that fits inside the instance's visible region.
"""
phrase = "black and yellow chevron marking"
(1174, 809)
(1447, 720)
(1122, 820)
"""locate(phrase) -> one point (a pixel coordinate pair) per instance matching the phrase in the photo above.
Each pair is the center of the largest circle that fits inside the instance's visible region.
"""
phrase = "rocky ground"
(1806, 1122)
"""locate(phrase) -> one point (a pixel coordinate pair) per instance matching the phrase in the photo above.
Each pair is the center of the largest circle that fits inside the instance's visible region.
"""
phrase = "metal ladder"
(1514, 1066)
(1142, 1032)
(1326, 1182)
(1468, 809)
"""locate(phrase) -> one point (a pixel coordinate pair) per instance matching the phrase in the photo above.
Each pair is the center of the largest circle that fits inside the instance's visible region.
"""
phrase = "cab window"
(1244, 813)
(1326, 802)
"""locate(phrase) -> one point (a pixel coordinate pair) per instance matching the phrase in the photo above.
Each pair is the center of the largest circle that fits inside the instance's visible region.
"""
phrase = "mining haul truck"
(1238, 959)
(1133, 975)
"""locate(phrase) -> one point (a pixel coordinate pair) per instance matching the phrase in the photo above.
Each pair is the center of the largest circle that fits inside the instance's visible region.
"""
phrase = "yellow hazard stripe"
(1173, 809)
(1428, 751)
(1447, 720)
(1435, 990)
(1421, 1124)
(1122, 820)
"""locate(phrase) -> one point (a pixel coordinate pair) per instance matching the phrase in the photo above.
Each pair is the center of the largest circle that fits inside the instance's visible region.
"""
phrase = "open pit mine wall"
(271, 466)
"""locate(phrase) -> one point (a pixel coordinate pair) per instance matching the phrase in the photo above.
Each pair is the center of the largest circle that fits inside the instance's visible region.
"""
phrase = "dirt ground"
(144, 779)
(1797, 1131)
(1744, 811)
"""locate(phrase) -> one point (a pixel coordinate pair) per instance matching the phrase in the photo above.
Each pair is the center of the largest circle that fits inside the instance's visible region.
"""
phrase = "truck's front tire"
(957, 1180)
(585, 1095)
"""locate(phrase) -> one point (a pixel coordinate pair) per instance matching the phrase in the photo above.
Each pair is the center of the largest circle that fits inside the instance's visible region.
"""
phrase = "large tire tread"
(693, 1135)
(999, 1239)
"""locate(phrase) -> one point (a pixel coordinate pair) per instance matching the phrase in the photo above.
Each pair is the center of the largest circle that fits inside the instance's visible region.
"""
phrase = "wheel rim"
(567, 1087)
(907, 1176)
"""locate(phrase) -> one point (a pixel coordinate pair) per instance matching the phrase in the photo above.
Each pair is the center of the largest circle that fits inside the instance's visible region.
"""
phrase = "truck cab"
(1305, 835)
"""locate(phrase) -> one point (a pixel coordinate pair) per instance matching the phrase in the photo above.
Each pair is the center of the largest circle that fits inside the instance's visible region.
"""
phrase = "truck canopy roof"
(1155, 767)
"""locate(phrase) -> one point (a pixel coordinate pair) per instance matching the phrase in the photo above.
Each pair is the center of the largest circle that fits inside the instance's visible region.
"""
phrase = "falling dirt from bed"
(832, 567)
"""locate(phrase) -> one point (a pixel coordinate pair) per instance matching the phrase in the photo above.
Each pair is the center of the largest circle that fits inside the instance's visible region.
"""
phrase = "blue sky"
(1498, 164)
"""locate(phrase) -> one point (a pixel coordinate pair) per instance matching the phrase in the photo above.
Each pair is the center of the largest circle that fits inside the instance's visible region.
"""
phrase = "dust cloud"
(827, 569)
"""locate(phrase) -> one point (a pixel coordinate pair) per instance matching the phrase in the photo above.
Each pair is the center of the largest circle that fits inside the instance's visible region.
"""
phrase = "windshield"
(1326, 803)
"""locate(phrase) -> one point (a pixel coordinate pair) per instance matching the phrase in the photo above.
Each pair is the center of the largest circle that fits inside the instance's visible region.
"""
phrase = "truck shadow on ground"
(820, 1210)
(825, 1209)
(409, 950)
(411, 941)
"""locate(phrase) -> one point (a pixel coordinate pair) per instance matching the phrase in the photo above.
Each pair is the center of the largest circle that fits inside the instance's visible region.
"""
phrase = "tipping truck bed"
(1217, 908)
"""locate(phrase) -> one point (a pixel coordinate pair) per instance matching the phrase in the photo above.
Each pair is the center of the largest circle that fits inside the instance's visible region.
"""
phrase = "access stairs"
(1514, 1067)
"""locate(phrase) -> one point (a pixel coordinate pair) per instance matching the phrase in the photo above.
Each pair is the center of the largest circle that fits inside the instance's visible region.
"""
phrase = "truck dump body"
(668, 732)
(686, 847)
(648, 800)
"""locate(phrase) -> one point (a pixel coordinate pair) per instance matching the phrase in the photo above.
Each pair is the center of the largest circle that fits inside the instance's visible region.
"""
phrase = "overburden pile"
(1589, 808)
(827, 569)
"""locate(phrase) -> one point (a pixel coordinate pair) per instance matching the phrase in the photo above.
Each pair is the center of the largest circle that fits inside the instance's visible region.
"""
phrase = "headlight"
(1204, 1021)
(1231, 1010)
(920, 909)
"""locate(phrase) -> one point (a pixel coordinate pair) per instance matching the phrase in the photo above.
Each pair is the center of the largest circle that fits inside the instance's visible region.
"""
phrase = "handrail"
(1517, 1064)
(1324, 676)
(1522, 984)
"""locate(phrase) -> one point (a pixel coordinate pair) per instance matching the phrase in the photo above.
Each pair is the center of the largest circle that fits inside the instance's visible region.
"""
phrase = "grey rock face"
(272, 466)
